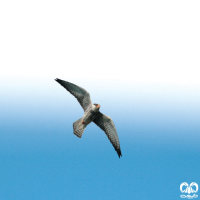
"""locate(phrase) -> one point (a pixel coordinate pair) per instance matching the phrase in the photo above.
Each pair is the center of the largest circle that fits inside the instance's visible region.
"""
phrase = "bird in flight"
(91, 114)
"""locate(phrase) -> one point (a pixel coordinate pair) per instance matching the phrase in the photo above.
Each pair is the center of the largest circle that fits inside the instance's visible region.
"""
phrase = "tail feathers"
(78, 128)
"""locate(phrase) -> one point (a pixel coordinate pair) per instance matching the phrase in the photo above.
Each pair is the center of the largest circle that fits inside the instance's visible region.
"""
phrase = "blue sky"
(153, 98)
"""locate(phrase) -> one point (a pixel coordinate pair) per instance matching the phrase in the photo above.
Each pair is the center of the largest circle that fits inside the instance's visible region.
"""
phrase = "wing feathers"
(81, 94)
(107, 125)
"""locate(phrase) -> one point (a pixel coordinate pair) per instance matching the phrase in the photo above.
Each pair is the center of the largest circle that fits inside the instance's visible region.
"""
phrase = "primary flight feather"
(91, 114)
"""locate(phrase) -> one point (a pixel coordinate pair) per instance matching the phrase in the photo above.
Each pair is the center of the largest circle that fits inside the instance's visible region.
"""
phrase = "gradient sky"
(153, 98)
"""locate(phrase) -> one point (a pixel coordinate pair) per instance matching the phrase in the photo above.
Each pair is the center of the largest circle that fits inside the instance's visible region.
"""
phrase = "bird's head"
(97, 106)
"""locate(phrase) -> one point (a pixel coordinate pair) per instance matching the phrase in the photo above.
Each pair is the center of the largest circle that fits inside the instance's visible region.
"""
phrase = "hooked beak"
(98, 106)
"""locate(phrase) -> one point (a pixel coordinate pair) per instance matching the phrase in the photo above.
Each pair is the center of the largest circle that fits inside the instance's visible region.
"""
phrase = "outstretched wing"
(107, 125)
(81, 94)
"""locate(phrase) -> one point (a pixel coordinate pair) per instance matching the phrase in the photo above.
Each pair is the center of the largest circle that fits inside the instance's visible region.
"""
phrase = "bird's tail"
(78, 128)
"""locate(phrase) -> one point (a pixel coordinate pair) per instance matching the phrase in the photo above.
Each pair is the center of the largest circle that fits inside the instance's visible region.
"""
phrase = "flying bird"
(91, 114)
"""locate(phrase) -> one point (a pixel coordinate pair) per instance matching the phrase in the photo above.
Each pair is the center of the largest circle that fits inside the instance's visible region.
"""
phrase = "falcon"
(91, 114)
